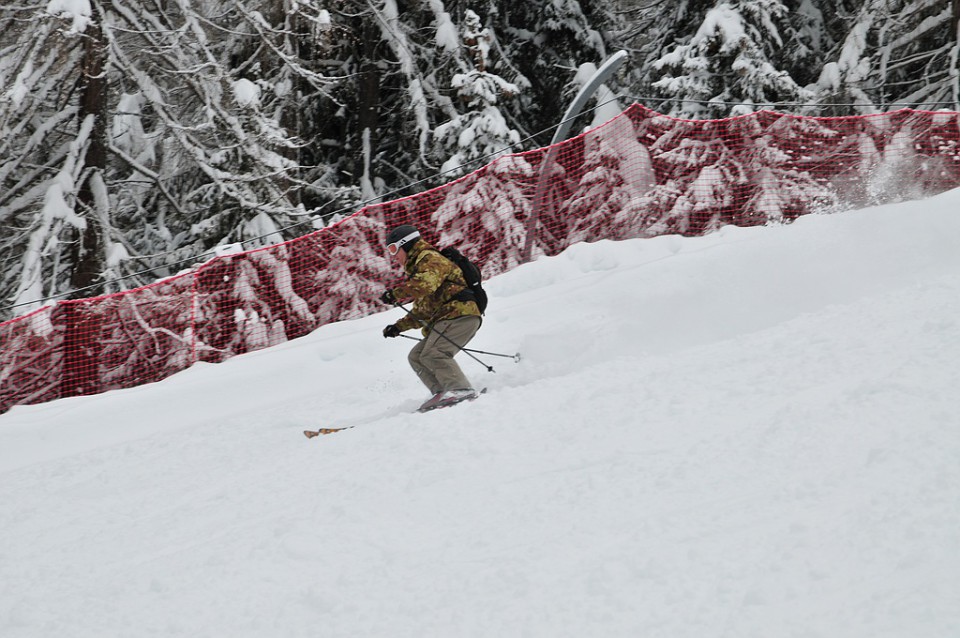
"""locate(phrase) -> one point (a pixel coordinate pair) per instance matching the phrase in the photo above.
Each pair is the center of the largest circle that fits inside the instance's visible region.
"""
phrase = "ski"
(310, 434)
(313, 433)
(449, 404)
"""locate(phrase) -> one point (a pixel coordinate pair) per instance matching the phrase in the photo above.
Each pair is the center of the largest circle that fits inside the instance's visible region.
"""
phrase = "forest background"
(137, 137)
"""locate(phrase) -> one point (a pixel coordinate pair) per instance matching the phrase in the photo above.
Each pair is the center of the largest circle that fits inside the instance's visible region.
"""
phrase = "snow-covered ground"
(753, 433)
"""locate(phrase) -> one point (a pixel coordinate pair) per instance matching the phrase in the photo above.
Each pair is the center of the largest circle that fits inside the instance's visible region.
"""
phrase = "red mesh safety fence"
(641, 174)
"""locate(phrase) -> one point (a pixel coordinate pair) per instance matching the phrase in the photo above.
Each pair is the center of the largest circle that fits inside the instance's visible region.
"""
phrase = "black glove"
(391, 331)
(388, 298)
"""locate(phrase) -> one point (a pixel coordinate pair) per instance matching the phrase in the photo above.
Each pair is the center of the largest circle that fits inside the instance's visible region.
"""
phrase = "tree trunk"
(955, 71)
(368, 102)
(295, 32)
(81, 346)
(87, 262)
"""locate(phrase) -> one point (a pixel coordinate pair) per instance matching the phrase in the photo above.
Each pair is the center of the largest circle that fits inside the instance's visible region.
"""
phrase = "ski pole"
(515, 357)
(425, 325)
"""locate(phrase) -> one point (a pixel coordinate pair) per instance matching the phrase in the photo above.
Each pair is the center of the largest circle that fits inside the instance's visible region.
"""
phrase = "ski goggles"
(395, 247)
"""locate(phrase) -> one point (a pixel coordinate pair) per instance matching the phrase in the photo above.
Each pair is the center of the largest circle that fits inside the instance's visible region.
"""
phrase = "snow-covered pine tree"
(650, 28)
(726, 64)
(149, 334)
(761, 168)
(356, 269)
(194, 150)
(482, 214)
(371, 130)
(617, 171)
(541, 45)
(52, 142)
(30, 360)
(223, 156)
(698, 177)
(810, 31)
(896, 53)
(221, 112)
(781, 155)
(480, 133)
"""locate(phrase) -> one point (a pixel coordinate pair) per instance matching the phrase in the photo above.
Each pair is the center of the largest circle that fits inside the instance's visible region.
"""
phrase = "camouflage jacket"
(433, 283)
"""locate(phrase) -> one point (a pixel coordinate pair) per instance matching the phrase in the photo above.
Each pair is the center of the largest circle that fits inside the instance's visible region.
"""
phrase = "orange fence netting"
(641, 174)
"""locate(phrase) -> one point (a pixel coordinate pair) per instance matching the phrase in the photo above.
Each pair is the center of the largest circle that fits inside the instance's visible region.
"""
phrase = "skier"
(443, 307)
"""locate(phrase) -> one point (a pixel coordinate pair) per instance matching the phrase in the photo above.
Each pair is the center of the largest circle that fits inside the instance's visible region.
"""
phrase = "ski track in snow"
(746, 434)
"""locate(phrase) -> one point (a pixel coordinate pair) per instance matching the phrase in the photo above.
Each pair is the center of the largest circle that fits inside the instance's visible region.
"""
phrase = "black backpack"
(472, 275)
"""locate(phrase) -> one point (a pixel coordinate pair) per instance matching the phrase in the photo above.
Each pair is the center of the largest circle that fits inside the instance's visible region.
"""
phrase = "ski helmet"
(401, 237)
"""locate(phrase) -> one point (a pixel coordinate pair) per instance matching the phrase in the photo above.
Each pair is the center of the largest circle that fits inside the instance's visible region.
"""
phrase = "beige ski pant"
(432, 358)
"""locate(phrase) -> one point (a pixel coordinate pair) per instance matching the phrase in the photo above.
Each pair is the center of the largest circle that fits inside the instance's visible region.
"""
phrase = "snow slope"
(748, 434)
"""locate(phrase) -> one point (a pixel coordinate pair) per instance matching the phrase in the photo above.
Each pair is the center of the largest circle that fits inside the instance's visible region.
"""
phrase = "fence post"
(194, 303)
(543, 175)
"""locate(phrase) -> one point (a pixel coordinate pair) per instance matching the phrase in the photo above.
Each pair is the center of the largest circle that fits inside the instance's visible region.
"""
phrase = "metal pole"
(605, 71)
(515, 357)
(459, 347)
